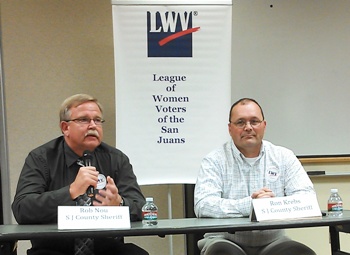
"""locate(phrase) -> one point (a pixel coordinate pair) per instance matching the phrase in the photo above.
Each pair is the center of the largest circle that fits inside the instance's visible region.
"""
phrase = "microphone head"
(87, 157)
(87, 154)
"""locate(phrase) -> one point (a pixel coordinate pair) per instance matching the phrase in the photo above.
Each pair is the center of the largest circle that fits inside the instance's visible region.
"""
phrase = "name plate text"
(93, 217)
(280, 208)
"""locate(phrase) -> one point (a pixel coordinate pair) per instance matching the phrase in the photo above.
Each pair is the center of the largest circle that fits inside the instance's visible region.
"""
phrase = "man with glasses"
(58, 173)
(245, 168)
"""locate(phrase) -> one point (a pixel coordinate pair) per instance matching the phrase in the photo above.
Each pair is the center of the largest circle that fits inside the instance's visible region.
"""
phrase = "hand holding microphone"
(88, 175)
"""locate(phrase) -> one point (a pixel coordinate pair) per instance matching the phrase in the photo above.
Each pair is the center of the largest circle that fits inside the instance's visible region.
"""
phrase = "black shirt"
(44, 182)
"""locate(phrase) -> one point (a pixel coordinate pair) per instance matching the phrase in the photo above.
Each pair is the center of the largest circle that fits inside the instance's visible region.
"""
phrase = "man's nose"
(92, 123)
(248, 127)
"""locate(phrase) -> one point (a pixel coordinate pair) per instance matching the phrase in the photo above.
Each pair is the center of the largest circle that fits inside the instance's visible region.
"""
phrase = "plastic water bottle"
(335, 204)
(149, 213)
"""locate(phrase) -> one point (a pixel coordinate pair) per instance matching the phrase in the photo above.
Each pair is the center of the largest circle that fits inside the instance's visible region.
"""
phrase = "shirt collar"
(237, 152)
(71, 157)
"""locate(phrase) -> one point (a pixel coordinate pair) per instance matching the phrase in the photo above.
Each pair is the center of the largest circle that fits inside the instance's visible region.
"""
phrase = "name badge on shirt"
(290, 207)
(93, 217)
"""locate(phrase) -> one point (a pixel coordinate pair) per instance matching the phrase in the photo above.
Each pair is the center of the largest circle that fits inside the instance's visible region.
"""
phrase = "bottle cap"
(149, 199)
(334, 190)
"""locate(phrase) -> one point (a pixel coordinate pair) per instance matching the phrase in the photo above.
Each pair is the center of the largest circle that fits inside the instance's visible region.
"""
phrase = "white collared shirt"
(227, 179)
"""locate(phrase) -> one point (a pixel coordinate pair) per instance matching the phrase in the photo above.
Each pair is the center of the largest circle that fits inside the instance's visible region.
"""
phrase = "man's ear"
(64, 128)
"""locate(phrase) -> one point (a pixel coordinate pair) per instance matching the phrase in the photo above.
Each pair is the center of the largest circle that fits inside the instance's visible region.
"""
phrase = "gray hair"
(74, 101)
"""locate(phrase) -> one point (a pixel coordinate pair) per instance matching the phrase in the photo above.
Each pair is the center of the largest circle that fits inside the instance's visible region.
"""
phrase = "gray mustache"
(93, 133)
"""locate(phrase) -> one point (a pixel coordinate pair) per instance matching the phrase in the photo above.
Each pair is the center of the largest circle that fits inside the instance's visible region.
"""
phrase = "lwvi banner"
(173, 84)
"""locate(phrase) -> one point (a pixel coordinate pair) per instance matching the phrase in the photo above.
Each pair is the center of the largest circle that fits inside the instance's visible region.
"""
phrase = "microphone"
(87, 157)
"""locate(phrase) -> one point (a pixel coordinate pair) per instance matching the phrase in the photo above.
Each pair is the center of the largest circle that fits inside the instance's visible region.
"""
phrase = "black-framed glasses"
(242, 123)
(87, 121)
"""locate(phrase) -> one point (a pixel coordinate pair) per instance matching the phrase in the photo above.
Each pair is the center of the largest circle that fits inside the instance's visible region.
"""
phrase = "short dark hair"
(244, 101)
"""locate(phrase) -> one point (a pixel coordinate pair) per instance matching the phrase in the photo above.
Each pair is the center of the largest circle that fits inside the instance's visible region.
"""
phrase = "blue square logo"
(169, 34)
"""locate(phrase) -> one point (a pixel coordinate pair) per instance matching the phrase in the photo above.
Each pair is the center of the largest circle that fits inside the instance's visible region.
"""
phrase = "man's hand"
(109, 196)
(87, 176)
(263, 193)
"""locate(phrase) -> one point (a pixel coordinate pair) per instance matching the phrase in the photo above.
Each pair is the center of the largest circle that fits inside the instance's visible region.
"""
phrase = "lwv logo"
(169, 34)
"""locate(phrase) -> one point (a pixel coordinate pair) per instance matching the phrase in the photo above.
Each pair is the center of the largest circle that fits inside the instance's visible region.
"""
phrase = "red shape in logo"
(177, 35)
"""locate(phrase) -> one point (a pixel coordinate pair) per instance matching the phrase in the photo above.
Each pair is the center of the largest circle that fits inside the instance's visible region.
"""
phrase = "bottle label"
(335, 207)
(150, 215)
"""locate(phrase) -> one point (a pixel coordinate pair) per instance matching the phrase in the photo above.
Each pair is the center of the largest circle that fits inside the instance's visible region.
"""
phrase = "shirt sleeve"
(34, 203)
(297, 180)
(209, 190)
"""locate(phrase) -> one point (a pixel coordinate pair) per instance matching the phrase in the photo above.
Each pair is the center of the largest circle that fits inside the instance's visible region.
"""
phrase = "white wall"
(293, 57)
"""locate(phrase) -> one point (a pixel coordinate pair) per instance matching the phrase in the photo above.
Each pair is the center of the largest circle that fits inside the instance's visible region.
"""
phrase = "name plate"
(290, 207)
(93, 217)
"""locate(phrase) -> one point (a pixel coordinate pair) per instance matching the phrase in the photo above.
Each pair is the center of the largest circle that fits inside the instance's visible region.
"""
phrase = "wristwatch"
(121, 202)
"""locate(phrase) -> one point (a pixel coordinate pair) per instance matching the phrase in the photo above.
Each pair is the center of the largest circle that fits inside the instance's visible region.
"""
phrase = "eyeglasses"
(243, 123)
(87, 121)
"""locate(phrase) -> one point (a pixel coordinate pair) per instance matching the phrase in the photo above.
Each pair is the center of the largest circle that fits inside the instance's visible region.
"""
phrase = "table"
(11, 233)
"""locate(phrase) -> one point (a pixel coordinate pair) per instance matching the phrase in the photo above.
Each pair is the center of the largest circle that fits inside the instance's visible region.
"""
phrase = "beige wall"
(53, 49)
